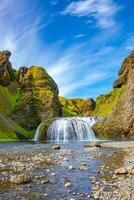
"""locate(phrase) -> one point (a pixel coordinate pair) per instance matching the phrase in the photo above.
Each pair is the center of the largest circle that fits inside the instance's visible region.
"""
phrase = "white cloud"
(81, 35)
(102, 11)
(73, 66)
(54, 2)
(90, 79)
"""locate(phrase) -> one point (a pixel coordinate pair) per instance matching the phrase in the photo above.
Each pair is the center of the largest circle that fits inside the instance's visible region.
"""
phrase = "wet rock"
(92, 179)
(93, 144)
(121, 170)
(53, 174)
(71, 167)
(83, 168)
(68, 184)
(131, 171)
(96, 196)
(55, 147)
(44, 181)
(19, 179)
(96, 188)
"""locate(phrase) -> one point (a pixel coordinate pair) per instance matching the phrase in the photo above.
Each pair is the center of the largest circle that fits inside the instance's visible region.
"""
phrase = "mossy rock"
(105, 103)
(76, 106)
(38, 99)
(43, 130)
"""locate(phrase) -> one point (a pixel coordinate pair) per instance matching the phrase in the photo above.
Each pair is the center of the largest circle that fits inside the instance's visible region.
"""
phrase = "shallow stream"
(48, 179)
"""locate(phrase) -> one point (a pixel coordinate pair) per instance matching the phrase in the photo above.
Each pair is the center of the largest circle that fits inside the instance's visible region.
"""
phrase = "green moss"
(38, 100)
(76, 106)
(68, 113)
(43, 130)
(8, 97)
(28, 134)
(105, 103)
(5, 131)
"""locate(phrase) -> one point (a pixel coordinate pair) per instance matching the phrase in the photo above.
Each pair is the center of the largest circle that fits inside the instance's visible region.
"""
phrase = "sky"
(81, 43)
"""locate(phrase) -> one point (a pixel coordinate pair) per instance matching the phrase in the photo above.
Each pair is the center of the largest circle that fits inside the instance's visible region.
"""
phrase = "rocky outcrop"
(6, 72)
(38, 98)
(77, 106)
(105, 103)
(120, 123)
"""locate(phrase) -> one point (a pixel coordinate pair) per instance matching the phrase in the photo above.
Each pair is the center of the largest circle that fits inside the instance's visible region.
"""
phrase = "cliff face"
(6, 72)
(30, 96)
(27, 97)
(38, 98)
(120, 123)
(77, 106)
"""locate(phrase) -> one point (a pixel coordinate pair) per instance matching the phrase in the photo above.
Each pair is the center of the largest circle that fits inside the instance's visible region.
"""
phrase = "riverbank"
(121, 187)
(38, 171)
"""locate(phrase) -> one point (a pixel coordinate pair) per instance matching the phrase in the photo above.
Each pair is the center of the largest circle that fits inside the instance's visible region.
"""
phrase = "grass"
(105, 103)
(8, 97)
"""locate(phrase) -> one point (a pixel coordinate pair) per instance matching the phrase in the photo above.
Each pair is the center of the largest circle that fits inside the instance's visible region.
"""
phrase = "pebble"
(19, 179)
(71, 167)
(68, 184)
(56, 147)
(83, 168)
(121, 170)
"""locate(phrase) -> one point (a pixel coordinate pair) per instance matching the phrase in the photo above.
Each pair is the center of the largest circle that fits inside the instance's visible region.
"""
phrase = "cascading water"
(71, 129)
(36, 136)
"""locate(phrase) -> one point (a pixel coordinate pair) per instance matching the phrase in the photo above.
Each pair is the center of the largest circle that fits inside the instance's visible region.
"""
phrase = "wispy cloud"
(102, 12)
(81, 35)
(54, 2)
(74, 65)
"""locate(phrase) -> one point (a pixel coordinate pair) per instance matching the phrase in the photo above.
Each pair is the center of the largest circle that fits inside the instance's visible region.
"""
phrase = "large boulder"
(120, 123)
(38, 98)
(6, 72)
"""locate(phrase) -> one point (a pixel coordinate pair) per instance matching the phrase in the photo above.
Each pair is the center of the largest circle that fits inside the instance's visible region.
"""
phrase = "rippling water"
(93, 159)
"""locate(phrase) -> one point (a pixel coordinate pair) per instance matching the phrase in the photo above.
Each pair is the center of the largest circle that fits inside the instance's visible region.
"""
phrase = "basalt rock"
(120, 123)
(38, 98)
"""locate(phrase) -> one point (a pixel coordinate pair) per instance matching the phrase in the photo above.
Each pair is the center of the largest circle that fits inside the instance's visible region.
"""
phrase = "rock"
(96, 188)
(92, 179)
(93, 144)
(56, 147)
(44, 181)
(19, 179)
(120, 121)
(83, 168)
(77, 106)
(131, 171)
(71, 167)
(38, 99)
(96, 196)
(68, 184)
(6, 72)
(121, 171)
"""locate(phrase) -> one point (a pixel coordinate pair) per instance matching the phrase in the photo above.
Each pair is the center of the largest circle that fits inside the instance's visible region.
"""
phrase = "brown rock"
(93, 144)
(56, 147)
(5, 68)
(19, 179)
(120, 123)
(121, 170)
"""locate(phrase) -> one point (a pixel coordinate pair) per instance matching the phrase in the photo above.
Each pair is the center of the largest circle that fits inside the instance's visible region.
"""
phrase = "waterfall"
(36, 136)
(72, 128)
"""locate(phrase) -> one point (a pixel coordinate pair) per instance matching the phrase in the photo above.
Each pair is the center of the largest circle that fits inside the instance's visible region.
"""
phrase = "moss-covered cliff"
(105, 103)
(120, 122)
(77, 106)
(27, 97)
(38, 98)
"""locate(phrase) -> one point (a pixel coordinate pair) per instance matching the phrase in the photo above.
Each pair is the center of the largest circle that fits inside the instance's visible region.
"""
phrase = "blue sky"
(80, 43)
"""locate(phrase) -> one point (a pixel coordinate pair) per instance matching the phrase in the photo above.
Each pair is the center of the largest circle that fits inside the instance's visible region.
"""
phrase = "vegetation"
(105, 103)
